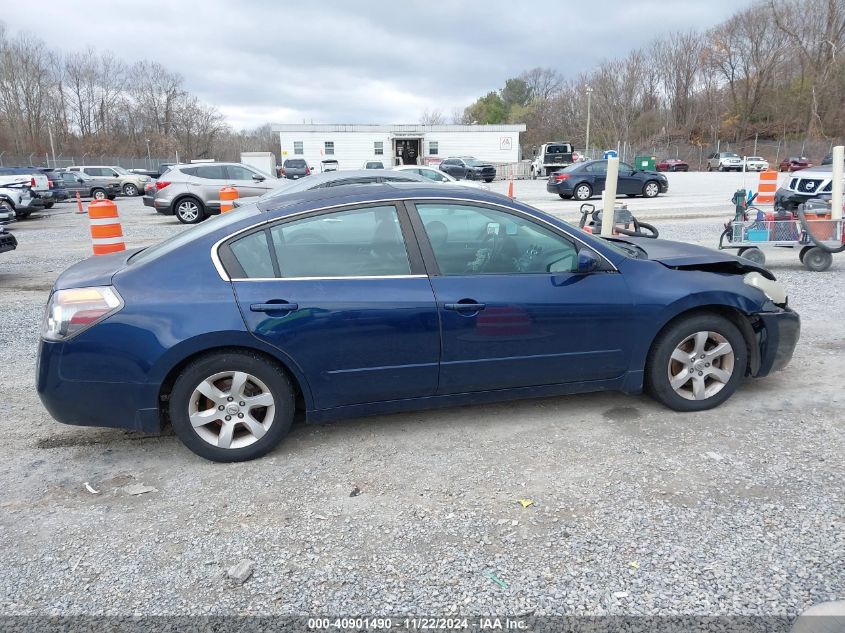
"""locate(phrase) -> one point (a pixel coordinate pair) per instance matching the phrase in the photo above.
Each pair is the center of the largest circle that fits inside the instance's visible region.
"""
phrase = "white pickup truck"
(550, 157)
(22, 189)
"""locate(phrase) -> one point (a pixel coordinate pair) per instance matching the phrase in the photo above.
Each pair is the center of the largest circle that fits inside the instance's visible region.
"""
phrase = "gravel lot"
(636, 510)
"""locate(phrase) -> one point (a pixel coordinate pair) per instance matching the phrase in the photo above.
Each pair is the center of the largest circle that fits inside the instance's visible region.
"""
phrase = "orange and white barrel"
(227, 194)
(106, 232)
(767, 187)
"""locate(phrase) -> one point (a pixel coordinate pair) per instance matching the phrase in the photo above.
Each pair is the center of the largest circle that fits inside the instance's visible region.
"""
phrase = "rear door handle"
(465, 307)
(273, 307)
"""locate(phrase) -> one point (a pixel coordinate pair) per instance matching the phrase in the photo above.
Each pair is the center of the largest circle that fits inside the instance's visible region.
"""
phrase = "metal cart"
(784, 230)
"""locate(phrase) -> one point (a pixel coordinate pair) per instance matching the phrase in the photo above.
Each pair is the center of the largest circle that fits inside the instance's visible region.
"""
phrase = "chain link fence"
(8, 159)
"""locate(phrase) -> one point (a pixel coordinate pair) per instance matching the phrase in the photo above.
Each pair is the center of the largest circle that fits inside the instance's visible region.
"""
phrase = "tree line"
(775, 71)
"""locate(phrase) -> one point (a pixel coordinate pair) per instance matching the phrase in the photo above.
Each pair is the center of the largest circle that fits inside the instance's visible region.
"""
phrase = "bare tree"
(433, 117)
(543, 83)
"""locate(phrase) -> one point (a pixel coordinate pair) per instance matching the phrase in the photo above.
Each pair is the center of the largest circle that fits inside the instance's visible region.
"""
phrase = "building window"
(329, 147)
(432, 148)
(297, 148)
(378, 148)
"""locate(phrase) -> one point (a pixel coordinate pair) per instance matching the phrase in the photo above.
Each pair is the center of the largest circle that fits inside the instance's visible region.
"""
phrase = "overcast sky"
(334, 61)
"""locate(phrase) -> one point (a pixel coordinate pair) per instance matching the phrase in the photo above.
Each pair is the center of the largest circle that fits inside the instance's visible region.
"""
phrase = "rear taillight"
(307, 171)
(32, 183)
(50, 183)
(161, 184)
(561, 177)
(71, 311)
(281, 171)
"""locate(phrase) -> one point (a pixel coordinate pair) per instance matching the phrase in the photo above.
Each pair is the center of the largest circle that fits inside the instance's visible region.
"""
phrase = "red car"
(793, 163)
(672, 164)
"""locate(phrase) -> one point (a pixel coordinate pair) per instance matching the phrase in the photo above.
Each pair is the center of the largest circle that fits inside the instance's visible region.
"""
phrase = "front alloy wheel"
(696, 363)
(651, 189)
(130, 190)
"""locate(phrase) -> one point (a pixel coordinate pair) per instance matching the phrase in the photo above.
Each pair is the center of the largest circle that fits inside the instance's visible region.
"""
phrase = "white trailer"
(263, 161)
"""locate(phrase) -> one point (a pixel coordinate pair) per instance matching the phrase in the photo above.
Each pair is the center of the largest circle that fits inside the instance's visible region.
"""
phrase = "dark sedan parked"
(672, 164)
(468, 168)
(359, 300)
(582, 181)
(88, 186)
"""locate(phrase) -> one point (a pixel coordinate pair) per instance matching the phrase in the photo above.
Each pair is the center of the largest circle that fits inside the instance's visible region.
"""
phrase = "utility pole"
(149, 160)
(52, 147)
(587, 148)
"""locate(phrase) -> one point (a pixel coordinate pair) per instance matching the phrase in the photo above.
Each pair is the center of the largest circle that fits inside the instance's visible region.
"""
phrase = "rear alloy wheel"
(130, 190)
(231, 406)
(189, 211)
(651, 189)
(697, 363)
(753, 254)
(98, 194)
(817, 259)
(583, 192)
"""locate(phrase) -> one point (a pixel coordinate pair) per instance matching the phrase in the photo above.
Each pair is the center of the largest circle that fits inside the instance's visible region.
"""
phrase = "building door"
(406, 151)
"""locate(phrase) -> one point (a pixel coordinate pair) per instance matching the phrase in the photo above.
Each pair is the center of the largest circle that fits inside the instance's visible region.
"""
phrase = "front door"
(248, 182)
(513, 313)
(344, 300)
(628, 182)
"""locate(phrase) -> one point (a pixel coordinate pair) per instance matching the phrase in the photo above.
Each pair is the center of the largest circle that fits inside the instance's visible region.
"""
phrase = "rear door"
(598, 175)
(512, 311)
(343, 296)
(205, 182)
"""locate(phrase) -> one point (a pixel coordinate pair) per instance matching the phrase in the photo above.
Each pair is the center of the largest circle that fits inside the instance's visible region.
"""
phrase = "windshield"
(198, 231)
(474, 162)
(121, 171)
(731, 155)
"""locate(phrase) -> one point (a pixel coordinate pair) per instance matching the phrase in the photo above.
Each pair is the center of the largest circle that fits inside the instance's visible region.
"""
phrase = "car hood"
(94, 271)
(683, 256)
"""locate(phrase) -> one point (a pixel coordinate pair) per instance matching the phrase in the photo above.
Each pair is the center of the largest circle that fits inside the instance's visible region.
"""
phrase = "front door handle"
(465, 307)
(274, 307)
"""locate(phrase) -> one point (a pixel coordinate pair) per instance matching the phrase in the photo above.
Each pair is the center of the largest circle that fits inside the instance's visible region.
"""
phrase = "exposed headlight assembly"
(71, 311)
(774, 290)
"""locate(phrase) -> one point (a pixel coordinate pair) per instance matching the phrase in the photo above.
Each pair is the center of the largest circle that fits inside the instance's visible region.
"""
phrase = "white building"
(354, 145)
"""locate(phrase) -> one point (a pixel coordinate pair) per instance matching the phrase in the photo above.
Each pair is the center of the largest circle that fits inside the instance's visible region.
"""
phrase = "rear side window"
(209, 172)
(253, 255)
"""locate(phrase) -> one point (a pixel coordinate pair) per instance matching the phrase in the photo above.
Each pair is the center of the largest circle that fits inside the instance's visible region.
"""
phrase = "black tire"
(582, 192)
(189, 210)
(112, 197)
(651, 189)
(533, 175)
(565, 196)
(99, 194)
(468, 175)
(753, 254)
(631, 195)
(49, 205)
(803, 252)
(709, 167)
(22, 215)
(721, 168)
(130, 190)
(274, 378)
(817, 259)
(659, 363)
(488, 180)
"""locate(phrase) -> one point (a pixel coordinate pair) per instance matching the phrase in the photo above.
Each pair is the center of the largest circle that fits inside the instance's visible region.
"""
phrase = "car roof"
(355, 194)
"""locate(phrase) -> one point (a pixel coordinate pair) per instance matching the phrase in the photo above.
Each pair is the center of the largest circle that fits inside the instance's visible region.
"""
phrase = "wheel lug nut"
(228, 418)
(707, 364)
(230, 398)
(240, 415)
(701, 373)
(243, 404)
(702, 356)
(221, 407)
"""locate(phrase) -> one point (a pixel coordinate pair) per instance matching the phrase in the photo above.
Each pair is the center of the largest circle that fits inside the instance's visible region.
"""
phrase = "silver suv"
(192, 192)
(130, 184)
(724, 161)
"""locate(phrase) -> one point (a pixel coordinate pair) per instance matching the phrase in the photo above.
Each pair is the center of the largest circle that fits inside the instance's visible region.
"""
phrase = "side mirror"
(257, 178)
(79, 180)
(588, 261)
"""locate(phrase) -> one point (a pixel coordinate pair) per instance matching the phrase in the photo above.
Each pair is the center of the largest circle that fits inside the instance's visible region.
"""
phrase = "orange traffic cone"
(106, 232)
(227, 194)
(510, 188)
(79, 208)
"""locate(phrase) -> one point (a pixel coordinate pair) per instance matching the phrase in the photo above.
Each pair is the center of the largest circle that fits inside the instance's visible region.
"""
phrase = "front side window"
(469, 240)
(433, 148)
(298, 148)
(378, 148)
(355, 243)
(328, 146)
(432, 174)
(236, 172)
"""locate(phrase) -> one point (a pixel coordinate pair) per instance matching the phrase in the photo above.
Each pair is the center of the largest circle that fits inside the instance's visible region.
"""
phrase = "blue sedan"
(360, 300)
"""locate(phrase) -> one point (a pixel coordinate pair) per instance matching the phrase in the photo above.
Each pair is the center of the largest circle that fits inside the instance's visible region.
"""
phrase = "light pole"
(589, 94)
(149, 160)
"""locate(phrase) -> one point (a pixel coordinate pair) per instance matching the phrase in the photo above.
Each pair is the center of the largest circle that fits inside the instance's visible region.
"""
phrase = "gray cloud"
(367, 61)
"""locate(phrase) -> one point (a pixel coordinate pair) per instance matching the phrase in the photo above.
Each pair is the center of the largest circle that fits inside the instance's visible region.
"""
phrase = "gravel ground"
(636, 510)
